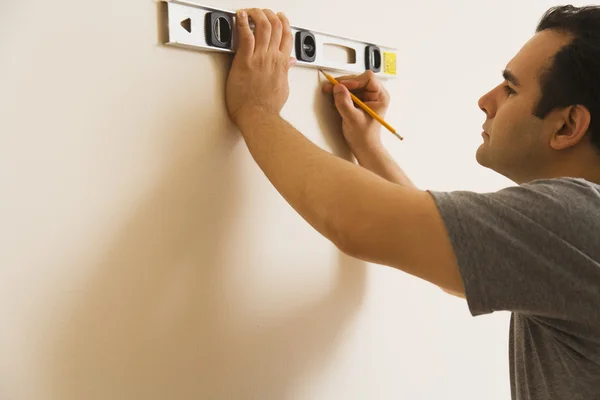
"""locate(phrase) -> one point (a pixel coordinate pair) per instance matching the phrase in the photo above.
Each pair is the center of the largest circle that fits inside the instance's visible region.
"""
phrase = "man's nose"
(487, 104)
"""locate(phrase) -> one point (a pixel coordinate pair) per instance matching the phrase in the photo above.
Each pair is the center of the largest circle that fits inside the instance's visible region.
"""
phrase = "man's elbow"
(349, 249)
(350, 239)
(454, 293)
(356, 237)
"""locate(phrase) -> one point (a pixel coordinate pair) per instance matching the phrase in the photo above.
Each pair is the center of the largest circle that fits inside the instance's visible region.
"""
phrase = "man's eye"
(509, 90)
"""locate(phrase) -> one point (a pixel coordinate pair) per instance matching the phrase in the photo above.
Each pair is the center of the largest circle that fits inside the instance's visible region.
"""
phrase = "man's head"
(543, 120)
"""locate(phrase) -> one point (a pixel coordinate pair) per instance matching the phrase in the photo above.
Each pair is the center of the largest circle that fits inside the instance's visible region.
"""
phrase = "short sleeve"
(532, 248)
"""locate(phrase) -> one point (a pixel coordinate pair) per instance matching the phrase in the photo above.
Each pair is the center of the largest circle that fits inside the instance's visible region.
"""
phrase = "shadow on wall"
(330, 121)
(155, 321)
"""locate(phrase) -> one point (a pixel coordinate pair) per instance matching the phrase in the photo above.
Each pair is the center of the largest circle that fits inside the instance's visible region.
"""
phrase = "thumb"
(344, 103)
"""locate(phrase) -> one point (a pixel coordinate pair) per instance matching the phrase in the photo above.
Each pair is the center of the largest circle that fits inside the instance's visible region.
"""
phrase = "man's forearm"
(377, 159)
(308, 177)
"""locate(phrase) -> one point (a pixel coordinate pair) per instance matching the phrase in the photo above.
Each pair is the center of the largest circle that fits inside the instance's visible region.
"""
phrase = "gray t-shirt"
(534, 250)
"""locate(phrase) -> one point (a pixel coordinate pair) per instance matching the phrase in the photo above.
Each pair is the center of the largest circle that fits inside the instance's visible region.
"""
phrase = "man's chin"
(480, 156)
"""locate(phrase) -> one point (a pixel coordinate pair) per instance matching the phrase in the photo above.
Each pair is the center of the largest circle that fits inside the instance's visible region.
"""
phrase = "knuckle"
(268, 13)
(384, 92)
(247, 62)
(263, 23)
(274, 20)
(261, 18)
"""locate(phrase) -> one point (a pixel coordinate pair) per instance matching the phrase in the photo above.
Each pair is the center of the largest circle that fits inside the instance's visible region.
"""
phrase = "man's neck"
(583, 166)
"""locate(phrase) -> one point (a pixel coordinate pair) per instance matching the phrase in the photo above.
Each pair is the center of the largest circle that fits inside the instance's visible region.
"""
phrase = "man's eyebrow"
(509, 76)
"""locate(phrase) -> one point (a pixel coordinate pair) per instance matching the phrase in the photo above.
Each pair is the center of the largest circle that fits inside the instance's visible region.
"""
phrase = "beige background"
(145, 256)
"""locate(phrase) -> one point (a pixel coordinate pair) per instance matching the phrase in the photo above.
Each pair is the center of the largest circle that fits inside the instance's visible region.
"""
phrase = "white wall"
(144, 255)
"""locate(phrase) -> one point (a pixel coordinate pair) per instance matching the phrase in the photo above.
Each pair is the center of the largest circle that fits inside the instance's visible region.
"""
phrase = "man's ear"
(574, 123)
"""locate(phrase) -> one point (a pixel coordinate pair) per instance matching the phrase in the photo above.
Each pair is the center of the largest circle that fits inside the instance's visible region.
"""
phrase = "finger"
(344, 104)
(328, 87)
(262, 30)
(276, 30)
(246, 38)
(287, 40)
(372, 99)
(372, 96)
(347, 77)
(373, 84)
(365, 81)
(357, 83)
(371, 90)
(352, 85)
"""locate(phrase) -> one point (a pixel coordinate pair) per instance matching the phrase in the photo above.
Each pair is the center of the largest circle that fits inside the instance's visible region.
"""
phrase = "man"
(532, 249)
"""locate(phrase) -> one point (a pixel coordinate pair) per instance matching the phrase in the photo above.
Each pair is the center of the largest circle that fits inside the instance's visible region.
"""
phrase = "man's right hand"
(360, 130)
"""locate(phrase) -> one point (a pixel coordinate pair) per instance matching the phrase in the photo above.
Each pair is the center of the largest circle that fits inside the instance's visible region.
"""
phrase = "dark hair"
(574, 76)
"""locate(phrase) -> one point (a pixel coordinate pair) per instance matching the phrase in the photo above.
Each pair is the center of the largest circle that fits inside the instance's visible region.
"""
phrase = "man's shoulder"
(564, 183)
(557, 203)
(568, 207)
(554, 198)
(563, 190)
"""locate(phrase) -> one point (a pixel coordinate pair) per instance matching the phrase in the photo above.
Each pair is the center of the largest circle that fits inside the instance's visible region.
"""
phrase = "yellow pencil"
(364, 106)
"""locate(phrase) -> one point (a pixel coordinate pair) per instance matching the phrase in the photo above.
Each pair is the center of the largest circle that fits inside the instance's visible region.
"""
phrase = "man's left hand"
(258, 79)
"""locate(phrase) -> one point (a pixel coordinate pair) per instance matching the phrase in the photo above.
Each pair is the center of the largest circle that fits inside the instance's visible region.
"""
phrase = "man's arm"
(363, 134)
(379, 161)
(363, 214)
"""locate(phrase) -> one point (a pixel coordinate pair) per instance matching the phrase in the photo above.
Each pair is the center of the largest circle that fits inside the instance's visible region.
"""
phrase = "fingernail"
(242, 14)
